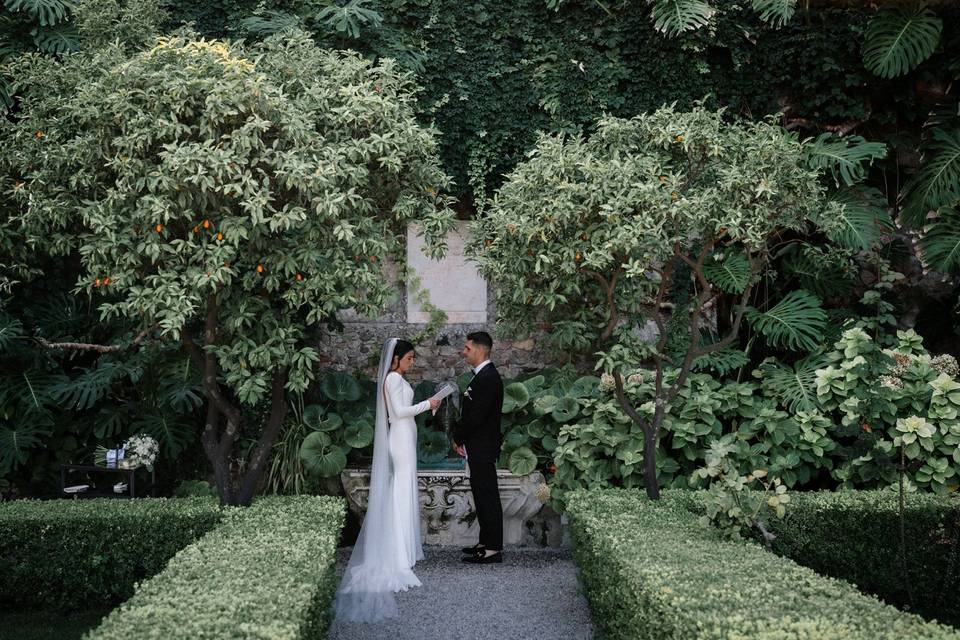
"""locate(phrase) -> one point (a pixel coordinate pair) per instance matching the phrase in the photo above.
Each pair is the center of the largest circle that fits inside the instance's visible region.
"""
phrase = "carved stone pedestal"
(447, 513)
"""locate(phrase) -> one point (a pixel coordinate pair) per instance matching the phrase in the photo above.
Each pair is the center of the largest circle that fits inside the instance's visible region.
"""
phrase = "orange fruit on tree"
(96, 282)
(299, 277)
(106, 281)
(206, 224)
(259, 268)
(219, 237)
(159, 227)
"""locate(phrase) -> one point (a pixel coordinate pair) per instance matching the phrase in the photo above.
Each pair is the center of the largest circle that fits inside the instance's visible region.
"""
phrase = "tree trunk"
(650, 463)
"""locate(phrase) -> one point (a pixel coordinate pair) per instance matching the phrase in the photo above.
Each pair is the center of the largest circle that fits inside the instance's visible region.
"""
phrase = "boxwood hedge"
(65, 554)
(855, 536)
(650, 571)
(266, 572)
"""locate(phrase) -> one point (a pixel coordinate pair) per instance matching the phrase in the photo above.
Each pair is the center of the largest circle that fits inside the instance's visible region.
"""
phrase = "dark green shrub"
(88, 553)
(855, 536)
(650, 571)
(266, 572)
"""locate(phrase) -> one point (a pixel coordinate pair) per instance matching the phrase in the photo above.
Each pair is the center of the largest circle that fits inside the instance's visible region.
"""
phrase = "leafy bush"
(650, 572)
(266, 571)
(856, 536)
(70, 553)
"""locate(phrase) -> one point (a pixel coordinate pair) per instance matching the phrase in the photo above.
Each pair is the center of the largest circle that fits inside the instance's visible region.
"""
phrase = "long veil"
(376, 568)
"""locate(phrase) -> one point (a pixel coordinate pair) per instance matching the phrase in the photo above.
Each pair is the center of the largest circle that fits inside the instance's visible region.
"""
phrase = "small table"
(94, 493)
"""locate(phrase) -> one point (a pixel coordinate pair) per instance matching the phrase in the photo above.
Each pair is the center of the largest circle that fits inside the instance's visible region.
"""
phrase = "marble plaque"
(453, 283)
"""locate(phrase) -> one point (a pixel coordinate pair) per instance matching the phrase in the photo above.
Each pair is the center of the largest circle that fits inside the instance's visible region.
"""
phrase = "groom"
(477, 438)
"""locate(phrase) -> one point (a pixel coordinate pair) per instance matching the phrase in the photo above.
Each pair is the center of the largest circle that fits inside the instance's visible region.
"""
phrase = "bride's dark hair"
(400, 349)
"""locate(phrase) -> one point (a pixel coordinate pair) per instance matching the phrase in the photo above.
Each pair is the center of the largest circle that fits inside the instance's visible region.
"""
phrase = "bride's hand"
(434, 404)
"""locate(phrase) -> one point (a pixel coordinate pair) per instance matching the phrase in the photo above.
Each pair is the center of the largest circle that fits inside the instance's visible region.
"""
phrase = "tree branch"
(100, 348)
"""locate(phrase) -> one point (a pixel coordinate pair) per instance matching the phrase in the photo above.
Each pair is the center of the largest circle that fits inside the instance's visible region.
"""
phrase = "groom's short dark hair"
(481, 339)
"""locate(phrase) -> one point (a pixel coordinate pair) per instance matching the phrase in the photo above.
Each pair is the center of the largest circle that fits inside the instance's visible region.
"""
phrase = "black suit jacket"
(480, 414)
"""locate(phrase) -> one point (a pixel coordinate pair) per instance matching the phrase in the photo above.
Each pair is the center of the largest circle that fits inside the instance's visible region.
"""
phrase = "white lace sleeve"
(398, 408)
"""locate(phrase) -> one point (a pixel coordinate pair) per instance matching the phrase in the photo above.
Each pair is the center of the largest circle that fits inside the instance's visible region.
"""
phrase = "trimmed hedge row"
(266, 572)
(650, 571)
(855, 536)
(67, 554)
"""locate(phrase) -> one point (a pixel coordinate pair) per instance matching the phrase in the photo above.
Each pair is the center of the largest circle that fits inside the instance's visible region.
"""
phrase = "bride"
(390, 542)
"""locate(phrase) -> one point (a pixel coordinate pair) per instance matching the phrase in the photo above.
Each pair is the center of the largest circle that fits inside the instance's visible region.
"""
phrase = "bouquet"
(140, 450)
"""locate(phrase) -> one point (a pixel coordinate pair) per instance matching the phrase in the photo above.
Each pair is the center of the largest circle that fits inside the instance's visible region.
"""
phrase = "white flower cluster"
(141, 450)
(607, 383)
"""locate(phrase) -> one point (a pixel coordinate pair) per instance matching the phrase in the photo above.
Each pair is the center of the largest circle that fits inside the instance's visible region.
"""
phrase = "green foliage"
(795, 322)
(941, 242)
(900, 38)
(350, 17)
(729, 272)
(266, 571)
(936, 184)
(649, 571)
(846, 158)
(46, 12)
(855, 536)
(673, 17)
(282, 251)
(861, 220)
(776, 12)
(79, 553)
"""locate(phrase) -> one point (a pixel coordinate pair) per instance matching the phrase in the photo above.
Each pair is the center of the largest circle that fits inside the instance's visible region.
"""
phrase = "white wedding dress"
(390, 541)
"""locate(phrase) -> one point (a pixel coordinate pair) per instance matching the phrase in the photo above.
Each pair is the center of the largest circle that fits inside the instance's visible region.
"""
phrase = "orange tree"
(229, 198)
(594, 238)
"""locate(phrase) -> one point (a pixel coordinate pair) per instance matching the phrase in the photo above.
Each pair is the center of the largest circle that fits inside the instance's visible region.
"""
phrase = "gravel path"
(535, 593)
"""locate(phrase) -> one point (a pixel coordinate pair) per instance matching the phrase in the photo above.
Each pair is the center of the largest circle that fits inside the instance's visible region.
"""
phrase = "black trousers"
(486, 497)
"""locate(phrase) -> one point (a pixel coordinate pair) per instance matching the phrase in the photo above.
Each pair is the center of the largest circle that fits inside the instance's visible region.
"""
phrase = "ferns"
(898, 39)
(844, 156)
(673, 17)
(796, 322)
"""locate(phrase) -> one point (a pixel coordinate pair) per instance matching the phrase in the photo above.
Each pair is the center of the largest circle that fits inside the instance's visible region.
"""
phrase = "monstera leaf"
(796, 322)
(320, 456)
(522, 462)
(340, 387)
(898, 39)
(360, 433)
(515, 397)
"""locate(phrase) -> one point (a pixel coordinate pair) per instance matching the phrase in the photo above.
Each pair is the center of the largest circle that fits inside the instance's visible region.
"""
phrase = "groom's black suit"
(479, 432)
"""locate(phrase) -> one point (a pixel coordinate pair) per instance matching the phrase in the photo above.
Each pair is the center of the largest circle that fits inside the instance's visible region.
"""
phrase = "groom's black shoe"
(474, 550)
(482, 558)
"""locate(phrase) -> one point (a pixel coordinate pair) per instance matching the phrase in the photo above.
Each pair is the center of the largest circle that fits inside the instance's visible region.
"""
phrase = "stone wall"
(453, 285)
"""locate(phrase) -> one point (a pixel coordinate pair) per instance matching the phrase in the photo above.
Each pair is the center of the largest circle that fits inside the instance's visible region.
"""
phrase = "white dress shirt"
(477, 368)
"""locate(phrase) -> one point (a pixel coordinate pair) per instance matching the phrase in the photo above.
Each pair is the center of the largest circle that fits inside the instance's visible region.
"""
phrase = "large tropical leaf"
(320, 456)
(515, 397)
(730, 271)
(62, 38)
(359, 433)
(268, 22)
(340, 387)
(776, 12)
(860, 221)
(10, 330)
(937, 184)
(523, 461)
(174, 435)
(940, 242)
(796, 322)
(46, 12)
(846, 158)
(673, 17)
(350, 17)
(15, 444)
(721, 361)
(796, 386)
(89, 387)
(818, 273)
(898, 39)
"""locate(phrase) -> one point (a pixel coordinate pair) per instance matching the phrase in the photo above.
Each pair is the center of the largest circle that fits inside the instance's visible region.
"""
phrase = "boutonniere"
(467, 393)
